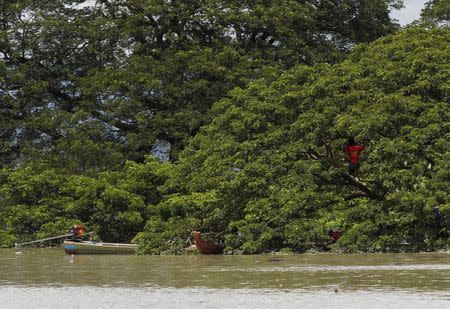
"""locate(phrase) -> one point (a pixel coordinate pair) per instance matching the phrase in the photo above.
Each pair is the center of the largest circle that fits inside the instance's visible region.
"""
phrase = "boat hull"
(205, 247)
(92, 247)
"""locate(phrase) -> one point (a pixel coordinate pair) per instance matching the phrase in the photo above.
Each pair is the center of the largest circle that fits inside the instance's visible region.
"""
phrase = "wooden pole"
(40, 240)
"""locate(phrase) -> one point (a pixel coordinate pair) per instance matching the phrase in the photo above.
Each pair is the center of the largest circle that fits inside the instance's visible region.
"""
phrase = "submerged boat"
(93, 247)
(205, 247)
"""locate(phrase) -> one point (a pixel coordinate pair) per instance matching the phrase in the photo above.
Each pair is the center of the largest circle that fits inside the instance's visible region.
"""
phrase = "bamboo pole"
(16, 245)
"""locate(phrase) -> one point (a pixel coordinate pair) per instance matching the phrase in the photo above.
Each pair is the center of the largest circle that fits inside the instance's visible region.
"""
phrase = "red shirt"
(353, 153)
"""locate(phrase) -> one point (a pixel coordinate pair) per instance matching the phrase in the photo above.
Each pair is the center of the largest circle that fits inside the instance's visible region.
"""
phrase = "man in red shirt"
(353, 151)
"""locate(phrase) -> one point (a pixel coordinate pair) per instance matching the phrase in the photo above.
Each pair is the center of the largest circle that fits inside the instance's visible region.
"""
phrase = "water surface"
(47, 278)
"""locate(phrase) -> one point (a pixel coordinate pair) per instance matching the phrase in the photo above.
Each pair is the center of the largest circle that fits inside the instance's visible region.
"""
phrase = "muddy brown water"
(47, 278)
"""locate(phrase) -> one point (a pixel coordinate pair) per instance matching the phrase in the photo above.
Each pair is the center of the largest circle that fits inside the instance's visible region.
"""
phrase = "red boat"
(205, 247)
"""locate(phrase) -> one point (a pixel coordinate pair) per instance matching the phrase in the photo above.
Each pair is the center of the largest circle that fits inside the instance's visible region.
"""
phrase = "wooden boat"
(205, 247)
(93, 247)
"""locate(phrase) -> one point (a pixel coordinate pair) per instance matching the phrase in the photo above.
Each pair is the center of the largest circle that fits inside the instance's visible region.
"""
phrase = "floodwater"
(47, 278)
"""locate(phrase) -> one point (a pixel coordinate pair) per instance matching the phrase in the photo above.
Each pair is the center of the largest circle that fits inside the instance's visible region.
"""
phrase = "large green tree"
(272, 165)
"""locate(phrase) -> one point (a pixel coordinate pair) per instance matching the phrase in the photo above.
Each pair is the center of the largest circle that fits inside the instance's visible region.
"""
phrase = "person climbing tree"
(353, 151)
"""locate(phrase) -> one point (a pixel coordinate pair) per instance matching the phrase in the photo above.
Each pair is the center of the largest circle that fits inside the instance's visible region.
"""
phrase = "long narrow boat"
(205, 247)
(92, 247)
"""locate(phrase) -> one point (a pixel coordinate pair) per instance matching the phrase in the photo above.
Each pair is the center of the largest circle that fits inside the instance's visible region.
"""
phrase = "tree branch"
(114, 122)
(361, 187)
(347, 178)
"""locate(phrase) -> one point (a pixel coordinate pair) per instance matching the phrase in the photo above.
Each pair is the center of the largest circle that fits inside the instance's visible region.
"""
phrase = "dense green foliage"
(272, 157)
(39, 201)
(255, 99)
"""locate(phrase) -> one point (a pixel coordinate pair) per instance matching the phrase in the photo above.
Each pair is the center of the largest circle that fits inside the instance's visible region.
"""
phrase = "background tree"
(47, 48)
(437, 10)
(96, 84)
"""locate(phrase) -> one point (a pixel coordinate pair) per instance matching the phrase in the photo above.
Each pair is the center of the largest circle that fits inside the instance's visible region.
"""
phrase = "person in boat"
(77, 232)
(353, 151)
